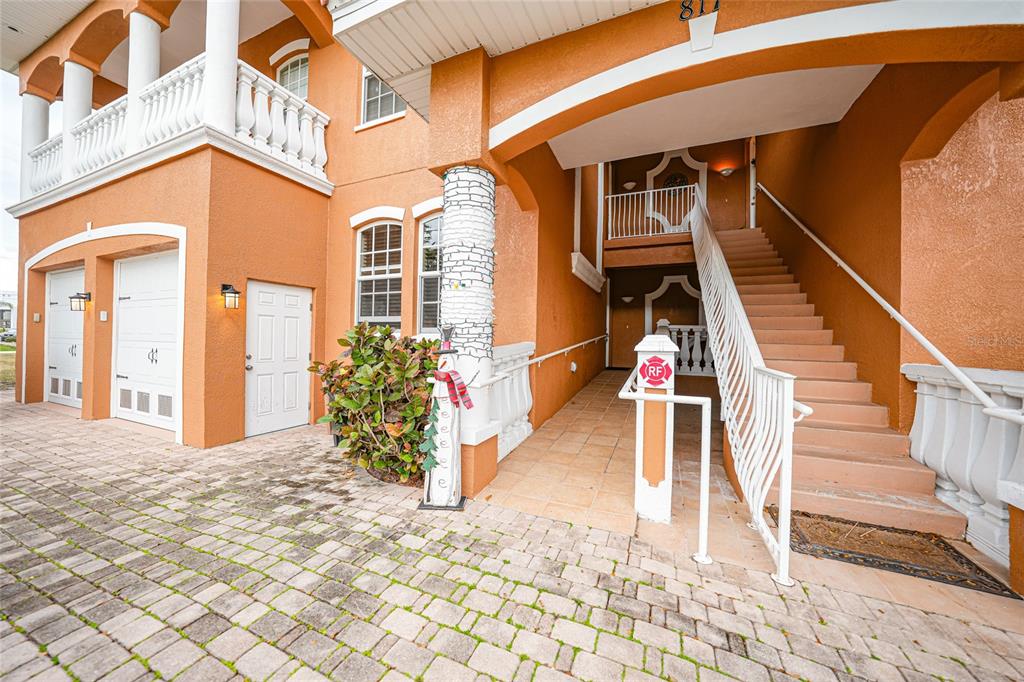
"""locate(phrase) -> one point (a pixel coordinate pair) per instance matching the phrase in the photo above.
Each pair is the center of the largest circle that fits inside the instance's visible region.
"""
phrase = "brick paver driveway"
(126, 557)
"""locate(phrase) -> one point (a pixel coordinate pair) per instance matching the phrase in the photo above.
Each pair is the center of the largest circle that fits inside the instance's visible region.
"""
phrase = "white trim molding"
(423, 208)
(300, 45)
(128, 229)
(683, 155)
(392, 214)
(379, 121)
(836, 24)
(582, 268)
(666, 282)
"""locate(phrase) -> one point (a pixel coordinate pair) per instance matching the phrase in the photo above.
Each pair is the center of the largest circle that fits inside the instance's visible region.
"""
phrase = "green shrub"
(379, 400)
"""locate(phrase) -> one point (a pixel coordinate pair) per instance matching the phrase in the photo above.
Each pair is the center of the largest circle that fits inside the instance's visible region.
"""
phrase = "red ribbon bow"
(456, 387)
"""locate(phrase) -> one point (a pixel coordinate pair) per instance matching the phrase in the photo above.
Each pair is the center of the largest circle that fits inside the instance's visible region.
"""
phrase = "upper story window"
(430, 275)
(379, 100)
(294, 75)
(379, 275)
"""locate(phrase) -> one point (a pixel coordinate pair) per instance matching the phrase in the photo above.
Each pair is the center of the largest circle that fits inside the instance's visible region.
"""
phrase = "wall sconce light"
(628, 186)
(726, 172)
(78, 300)
(231, 296)
(627, 299)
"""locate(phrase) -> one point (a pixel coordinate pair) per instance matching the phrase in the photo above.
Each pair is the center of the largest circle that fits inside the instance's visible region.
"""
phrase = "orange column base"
(730, 468)
(479, 466)
(1016, 550)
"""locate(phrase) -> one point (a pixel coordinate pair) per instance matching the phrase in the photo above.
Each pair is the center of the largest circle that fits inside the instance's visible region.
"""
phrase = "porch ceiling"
(399, 40)
(27, 24)
(725, 111)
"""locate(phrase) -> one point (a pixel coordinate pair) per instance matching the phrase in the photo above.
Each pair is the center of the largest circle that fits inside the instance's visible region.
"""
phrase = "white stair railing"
(757, 402)
(650, 213)
(694, 352)
(990, 407)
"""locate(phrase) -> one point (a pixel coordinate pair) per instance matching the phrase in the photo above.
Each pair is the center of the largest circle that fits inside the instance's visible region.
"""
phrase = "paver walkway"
(124, 557)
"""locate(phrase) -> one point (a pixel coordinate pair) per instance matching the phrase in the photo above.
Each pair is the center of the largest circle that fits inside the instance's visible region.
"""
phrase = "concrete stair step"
(773, 298)
(846, 412)
(816, 369)
(784, 288)
(786, 322)
(752, 261)
(741, 271)
(741, 234)
(802, 351)
(784, 310)
(763, 279)
(794, 336)
(855, 437)
(754, 250)
(921, 512)
(811, 389)
(841, 468)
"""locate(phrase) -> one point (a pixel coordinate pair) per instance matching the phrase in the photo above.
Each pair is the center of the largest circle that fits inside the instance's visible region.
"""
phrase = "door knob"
(248, 356)
(248, 367)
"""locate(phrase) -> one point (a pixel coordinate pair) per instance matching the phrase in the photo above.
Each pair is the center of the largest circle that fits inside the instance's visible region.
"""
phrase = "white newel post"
(35, 127)
(467, 288)
(652, 497)
(77, 106)
(221, 70)
(143, 69)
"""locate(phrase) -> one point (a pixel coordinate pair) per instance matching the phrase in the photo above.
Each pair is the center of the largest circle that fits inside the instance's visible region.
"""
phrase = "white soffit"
(400, 39)
(27, 24)
(725, 111)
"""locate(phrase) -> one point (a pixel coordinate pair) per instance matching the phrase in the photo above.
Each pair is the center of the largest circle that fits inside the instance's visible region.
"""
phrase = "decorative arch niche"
(683, 155)
(666, 283)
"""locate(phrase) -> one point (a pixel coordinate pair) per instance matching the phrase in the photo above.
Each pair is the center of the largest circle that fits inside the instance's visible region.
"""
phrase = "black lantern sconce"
(79, 300)
(231, 296)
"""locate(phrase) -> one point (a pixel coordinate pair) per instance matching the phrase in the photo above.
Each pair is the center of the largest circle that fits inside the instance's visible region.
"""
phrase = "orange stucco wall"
(963, 235)
(626, 325)
(843, 180)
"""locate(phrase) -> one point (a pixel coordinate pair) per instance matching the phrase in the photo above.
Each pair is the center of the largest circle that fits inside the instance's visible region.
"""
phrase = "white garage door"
(64, 338)
(277, 341)
(146, 346)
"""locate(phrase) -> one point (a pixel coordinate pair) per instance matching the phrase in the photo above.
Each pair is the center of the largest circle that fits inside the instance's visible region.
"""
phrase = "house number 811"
(686, 9)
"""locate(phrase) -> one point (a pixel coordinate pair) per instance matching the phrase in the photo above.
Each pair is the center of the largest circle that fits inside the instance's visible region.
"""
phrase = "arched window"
(379, 275)
(379, 100)
(294, 75)
(430, 275)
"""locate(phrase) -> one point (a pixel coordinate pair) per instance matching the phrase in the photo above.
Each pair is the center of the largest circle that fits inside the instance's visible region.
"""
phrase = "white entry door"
(64, 338)
(146, 344)
(277, 346)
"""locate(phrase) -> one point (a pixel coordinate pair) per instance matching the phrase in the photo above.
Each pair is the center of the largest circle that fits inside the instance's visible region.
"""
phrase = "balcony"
(273, 128)
(650, 227)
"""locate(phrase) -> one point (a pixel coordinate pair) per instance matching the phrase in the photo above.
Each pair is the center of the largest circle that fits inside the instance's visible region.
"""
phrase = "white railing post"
(245, 115)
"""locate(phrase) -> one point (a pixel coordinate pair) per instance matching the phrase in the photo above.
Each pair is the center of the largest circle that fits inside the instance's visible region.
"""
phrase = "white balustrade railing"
(280, 123)
(694, 357)
(173, 103)
(46, 164)
(100, 138)
(757, 402)
(650, 213)
(512, 400)
(969, 450)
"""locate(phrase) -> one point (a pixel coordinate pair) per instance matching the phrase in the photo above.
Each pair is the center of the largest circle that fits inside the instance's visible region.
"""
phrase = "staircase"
(847, 462)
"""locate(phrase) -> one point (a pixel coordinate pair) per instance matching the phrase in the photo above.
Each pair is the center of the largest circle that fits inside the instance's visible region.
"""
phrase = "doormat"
(922, 555)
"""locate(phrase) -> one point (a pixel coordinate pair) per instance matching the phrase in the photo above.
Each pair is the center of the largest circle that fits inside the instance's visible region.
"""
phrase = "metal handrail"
(991, 408)
(535, 361)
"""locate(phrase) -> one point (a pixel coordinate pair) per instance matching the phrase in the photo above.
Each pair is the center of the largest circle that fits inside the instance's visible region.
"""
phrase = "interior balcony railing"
(268, 118)
(650, 213)
(694, 358)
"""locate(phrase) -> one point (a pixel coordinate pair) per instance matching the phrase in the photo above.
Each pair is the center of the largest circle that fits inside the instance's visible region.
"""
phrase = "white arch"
(391, 213)
(666, 282)
(429, 206)
(127, 229)
(302, 44)
(683, 155)
(881, 17)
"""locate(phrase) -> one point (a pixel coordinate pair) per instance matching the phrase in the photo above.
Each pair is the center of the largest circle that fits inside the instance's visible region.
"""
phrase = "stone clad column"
(35, 128)
(467, 285)
(143, 69)
(77, 106)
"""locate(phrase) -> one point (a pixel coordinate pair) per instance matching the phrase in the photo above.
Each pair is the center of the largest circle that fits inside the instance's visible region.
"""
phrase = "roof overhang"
(27, 24)
(399, 40)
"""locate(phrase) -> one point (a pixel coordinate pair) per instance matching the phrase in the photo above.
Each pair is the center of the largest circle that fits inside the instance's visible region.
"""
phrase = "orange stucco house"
(236, 183)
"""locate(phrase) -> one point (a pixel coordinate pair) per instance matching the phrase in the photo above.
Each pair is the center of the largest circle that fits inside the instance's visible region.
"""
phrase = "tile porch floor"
(578, 467)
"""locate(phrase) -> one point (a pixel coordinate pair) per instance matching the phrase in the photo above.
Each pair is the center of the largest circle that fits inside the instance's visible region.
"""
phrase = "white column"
(35, 126)
(221, 71)
(143, 69)
(77, 106)
(467, 287)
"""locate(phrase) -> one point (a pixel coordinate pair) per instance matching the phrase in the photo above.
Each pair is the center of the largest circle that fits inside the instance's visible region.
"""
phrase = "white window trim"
(277, 73)
(363, 123)
(396, 325)
(426, 333)
(301, 44)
